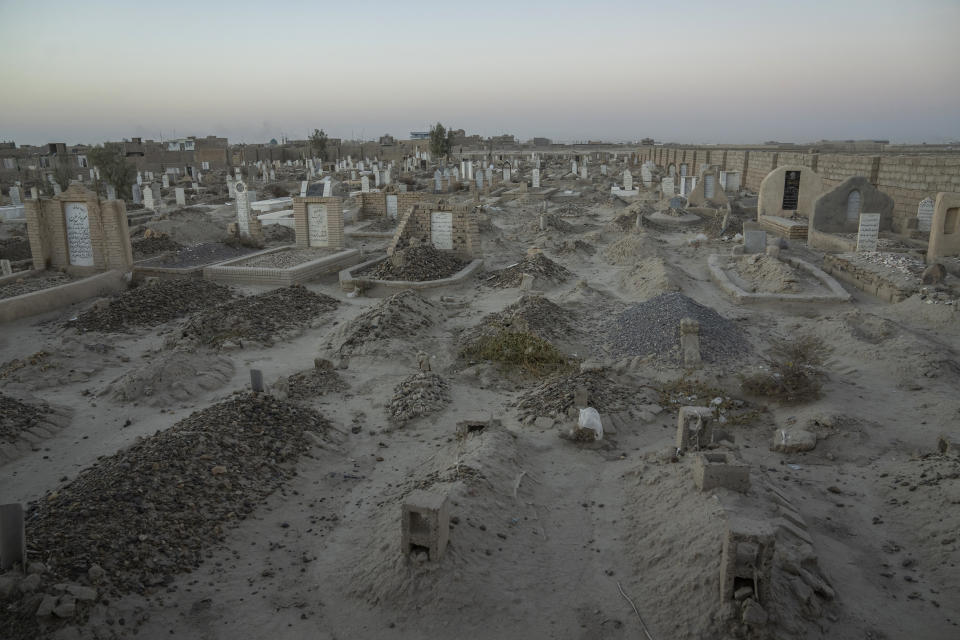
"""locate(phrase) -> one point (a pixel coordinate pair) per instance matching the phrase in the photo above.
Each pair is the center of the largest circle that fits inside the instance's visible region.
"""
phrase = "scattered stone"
(557, 396)
(416, 264)
(934, 274)
(539, 266)
(402, 315)
(16, 417)
(793, 440)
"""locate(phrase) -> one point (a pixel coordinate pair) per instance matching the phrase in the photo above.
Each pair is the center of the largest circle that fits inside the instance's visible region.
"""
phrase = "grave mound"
(146, 247)
(652, 328)
(539, 266)
(29, 284)
(555, 397)
(306, 385)
(627, 250)
(168, 378)
(418, 395)
(400, 316)
(151, 304)
(152, 510)
(279, 234)
(532, 314)
(15, 249)
(416, 264)
(767, 274)
(263, 318)
(61, 362)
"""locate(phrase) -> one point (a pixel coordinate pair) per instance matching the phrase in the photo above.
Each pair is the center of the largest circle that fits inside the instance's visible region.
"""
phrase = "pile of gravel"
(16, 417)
(262, 318)
(653, 328)
(402, 315)
(417, 264)
(146, 247)
(418, 395)
(552, 220)
(570, 210)
(151, 304)
(530, 314)
(199, 255)
(555, 397)
(539, 266)
(287, 258)
(15, 249)
(136, 519)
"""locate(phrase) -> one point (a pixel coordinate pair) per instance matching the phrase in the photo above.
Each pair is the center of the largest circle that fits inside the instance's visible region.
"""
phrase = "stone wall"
(374, 204)
(907, 179)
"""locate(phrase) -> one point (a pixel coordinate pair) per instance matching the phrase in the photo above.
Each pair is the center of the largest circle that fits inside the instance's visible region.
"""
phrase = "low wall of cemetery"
(907, 179)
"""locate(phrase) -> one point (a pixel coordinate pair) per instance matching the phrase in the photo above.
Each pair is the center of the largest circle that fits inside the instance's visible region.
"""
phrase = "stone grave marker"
(15, 196)
(536, 178)
(327, 188)
(754, 239)
(243, 208)
(869, 232)
(57, 190)
(506, 173)
(667, 187)
(437, 181)
(583, 171)
(627, 180)
(646, 176)
(150, 201)
(303, 188)
(135, 190)
(5, 268)
(365, 184)
(166, 181)
(181, 196)
(111, 192)
(925, 214)
(256, 380)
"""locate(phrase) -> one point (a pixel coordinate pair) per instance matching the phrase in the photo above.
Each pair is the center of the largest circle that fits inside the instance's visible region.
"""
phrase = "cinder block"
(426, 523)
(716, 469)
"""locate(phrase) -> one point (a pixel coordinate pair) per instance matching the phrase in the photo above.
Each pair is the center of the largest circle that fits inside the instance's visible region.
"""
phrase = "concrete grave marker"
(536, 179)
(925, 214)
(243, 208)
(15, 196)
(303, 188)
(627, 180)
(5, 268)
(136, 192)
(441, 230)
(328, 188)
(754, 238)
(256, 380)
(869, 232)
(181, 196)
(79, 244)
(35, 193)
(365, 184)
(166, 181)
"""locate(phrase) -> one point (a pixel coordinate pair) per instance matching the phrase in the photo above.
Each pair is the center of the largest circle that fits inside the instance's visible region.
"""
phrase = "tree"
(111, 160)
(318, 143)
(439, 141)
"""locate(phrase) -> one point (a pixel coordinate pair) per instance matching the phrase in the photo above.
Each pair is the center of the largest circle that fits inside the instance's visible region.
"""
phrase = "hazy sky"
(692, 71)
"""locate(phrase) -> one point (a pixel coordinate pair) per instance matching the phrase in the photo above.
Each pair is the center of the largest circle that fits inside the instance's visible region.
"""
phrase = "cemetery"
(483, 393)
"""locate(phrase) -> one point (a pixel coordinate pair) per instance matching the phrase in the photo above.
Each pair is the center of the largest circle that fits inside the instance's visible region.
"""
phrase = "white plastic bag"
(590, 419)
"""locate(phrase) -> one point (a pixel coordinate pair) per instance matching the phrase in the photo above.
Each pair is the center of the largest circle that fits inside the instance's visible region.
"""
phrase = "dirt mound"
(147, 247)
(151, 304)
(263, 318)
(14, 249)
(647, 277)
(555, 397)
(400, 316)
(530, 314)
(188, 226)
(306, 385)
(171, 377)
(416, 264)
(16, 417)
(576, 246)
(627, 250)
(60, 363)
(151, 511)
(418, 395)
(767, 274)
(278, 234)
(653, 328)
(539, 266)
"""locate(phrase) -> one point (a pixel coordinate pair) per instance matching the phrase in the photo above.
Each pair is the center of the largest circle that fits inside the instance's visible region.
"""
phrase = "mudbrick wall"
(907, 179)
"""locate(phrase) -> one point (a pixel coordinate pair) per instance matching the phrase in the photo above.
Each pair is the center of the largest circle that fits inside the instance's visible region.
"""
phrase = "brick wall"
(414, 228)
(334, 220)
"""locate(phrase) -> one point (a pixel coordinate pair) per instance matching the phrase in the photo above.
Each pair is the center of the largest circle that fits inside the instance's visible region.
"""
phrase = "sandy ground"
(545, 529)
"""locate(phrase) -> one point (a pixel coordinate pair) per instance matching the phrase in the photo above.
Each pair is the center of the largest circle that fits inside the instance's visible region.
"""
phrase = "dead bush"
(793, 371)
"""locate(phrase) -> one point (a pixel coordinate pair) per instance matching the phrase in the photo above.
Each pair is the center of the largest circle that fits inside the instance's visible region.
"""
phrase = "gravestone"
(57, 190)
(506, 173)
(573, 167)
(869, 232)
(256, 380)
(754, 239)
(243, 208)
(150, 201)
(437, 181)
(78, 231)
(166, 181)
(303, 188)
(603, 169)
(925, 214)
(135, 190)
(15, 196)
(536, 179)
(583, 171)
(627, 180)
(479, 180)
(111, 192)
(365, 184)
(328, 188)
(490, 174)
(678, 202)
(5, 268)
(646, 176)
(273, 175)
(34, 193)
(139, 178)
(196, 187)
(181, 196)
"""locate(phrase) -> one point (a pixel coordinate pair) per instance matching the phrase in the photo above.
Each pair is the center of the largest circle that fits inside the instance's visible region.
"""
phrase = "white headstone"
(603, 169)
(536, 178)
(196, 187)
(139, 178)
(869, 232)
(646, 176)
(479, 180)
(181, 196)
(365, 184)
(386, 176)
(136, 193)
(243, 207)
(328, 189)
(441, 230)
(925, 214)
(667, 188)
(34, 193)
(573, 167)
(583, 171)
(111, 192)
(437, 179)
(303, 188)
(319, 234)
(376, 178)
(627, 180)
(506, 173)
(150, 201)
(166, 181)
(57, 190)
(79, 245)
(392, 206)
(15, 196)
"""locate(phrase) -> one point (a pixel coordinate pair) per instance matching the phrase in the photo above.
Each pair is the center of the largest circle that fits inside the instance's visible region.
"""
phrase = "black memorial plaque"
(791, 190)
